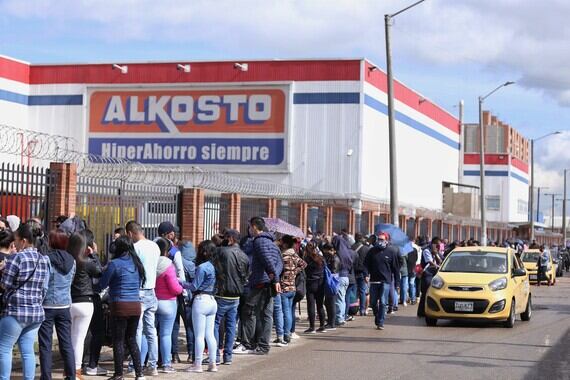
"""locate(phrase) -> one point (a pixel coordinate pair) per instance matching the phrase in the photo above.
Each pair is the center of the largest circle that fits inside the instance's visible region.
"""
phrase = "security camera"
(124, 69)
(186, 68)
(241, 66)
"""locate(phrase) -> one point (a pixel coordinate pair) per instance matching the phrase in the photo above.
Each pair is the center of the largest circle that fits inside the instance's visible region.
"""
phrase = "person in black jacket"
(412, 259)
(333, 263)
(360, 271)
(232, 272)
(382, 262)
(314, 273)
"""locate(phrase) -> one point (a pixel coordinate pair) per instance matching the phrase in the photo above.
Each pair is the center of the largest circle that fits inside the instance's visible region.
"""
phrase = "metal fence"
(25, 191)
(106, 204)
(251, 207)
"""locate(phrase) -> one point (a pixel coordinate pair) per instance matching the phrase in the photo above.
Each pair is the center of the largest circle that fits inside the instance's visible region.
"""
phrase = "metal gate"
(25, 192)
(106, 204)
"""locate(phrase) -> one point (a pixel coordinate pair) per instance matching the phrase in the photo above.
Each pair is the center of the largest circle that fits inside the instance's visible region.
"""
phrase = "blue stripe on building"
(326, 98)
(496, 173)
(377, 105)
(41, 100)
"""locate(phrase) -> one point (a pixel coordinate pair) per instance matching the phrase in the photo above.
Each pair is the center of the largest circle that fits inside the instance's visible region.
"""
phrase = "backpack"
(300, 287)
(332, 283)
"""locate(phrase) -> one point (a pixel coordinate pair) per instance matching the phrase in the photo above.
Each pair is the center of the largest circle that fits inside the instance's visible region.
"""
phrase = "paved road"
(407, 349)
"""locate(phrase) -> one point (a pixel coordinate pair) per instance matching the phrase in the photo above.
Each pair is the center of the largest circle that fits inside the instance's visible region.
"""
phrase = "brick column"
(64, 199)
(371, 216)
(304, 217)
(403, 224)
(233, 215)
(192, 220)
(351, 221)
(272, 208)
(328, 220)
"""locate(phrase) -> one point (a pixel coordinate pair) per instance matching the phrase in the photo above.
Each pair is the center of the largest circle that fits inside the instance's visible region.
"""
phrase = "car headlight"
(498, 284)
(437, 282)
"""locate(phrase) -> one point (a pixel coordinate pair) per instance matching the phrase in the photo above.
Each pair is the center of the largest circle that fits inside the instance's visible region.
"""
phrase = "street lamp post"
(482, 162)
(531, 189)
(564, 212)
(552, 211)
(391, 119)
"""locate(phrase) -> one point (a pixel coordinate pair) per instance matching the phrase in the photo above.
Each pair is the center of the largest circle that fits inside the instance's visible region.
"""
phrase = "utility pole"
(552, 216)
(394, 209)
(564, 213)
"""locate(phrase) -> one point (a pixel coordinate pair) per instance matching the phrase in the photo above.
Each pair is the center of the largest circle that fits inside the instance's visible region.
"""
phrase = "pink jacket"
(167, 286)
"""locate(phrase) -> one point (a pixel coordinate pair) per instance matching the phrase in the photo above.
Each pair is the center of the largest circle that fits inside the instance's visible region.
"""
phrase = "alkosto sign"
(237, 127)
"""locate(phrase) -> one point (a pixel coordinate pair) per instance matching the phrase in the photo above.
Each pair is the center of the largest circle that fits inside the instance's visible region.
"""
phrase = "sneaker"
(212, 368)
(287, 338)
(98, 371)
(379, 327)
(150, 371)
(341, 324)
(405, 304)
(294, 336)
(330, 328)
(167, 369)
(194, 368)
(259, 351)
(241, 350)
(350, 318)
(390, 311)
(322, 329)
(227, 362)
(281, 343)
(310, 331)
(141, 378)
(395, 309)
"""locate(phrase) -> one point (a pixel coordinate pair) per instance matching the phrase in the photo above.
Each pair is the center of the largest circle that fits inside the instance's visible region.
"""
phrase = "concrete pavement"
(407, 349)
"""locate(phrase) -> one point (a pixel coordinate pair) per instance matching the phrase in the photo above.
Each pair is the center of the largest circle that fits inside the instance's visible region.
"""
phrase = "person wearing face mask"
(382, 262)
(430, 263)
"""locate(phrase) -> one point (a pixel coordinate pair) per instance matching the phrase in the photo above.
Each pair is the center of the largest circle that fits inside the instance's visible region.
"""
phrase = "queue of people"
(232, 293)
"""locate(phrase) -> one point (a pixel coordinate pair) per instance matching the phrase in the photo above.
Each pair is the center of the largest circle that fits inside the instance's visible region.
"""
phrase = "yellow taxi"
(530, 261)
(487, 283)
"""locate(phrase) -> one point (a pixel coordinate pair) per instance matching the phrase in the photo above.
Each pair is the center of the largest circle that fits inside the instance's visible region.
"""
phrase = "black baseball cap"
(166, 228)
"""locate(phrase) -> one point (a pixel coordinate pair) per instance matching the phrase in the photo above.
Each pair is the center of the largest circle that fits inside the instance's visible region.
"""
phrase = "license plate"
(532, 277)
(464, 306)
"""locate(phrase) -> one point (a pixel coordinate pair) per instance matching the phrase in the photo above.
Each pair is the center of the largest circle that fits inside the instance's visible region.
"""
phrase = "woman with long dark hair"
(315, 283)
(124, 276)
(56, 307)
(204, 306)
(24, 281)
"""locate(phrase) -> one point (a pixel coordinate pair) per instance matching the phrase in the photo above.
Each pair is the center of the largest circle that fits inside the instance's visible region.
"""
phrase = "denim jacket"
(62, 270)
(122, 278)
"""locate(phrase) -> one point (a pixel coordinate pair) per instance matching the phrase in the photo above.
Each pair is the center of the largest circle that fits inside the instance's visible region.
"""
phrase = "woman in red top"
(166, 289)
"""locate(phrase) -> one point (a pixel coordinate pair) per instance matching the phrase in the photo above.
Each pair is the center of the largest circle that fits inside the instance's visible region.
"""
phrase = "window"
(522, 206)
(493, 202)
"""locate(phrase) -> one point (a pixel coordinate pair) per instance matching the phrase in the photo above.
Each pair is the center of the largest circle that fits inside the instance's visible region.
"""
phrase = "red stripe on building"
(14, 70)
(519, 164)
(412, 99)
(490, 159)
(201, 72)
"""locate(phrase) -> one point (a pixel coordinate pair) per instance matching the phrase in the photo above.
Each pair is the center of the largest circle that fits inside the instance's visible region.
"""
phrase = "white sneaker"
(99, 371)
(294, 336)
(405, 304)
(241, 350)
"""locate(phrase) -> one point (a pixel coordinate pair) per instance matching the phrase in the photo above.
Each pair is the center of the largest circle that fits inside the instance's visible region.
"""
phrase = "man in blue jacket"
(382, 262)
(266, 268)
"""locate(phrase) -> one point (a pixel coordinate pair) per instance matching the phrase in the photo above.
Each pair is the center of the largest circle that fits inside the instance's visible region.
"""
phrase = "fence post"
(192, 220)
(233, 216)
(329, 220)
(64, 197)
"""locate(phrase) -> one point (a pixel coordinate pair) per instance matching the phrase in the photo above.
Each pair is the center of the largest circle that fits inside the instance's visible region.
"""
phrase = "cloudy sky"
(446, 49)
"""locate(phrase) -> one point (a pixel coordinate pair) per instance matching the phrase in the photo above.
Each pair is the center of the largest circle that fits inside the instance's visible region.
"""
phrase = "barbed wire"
(57, 148)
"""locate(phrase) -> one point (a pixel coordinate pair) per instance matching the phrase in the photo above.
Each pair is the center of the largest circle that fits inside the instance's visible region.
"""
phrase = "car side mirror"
(519, 272)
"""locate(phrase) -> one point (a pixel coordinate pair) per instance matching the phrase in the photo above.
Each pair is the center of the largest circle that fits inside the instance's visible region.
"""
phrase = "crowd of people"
(232, 293)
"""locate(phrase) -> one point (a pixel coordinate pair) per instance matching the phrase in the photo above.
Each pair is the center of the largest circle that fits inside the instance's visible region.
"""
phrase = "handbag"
(9, 293)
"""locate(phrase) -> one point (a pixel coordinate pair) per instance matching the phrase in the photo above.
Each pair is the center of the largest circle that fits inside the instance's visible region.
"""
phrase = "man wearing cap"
(232, 272)
(382, 262)
(168, 231)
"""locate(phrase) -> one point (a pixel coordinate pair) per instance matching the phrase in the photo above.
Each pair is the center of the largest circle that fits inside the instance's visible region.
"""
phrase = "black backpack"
(300, 287)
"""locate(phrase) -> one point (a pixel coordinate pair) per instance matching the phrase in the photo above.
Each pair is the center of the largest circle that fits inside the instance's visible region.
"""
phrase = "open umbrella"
(281, 226)
(397, 237)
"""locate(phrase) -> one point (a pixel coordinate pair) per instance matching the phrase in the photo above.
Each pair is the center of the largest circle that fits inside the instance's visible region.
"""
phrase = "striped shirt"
(25, 303)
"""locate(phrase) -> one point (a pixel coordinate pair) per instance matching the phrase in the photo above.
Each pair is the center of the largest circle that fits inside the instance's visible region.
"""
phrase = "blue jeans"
(165, 315)
(340, 301)
(278, 315)
(379, 294)
(350, 292)
(146, 326)
(393, 294)
(361, 288)
(293, 316)
(189, 330)
(204, 310)
(403, 288)
(288, 312)
(412, 283)
(12, 331)
(227, 312)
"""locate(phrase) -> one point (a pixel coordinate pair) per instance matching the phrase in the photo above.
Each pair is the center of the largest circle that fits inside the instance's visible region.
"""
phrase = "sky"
(448, 50)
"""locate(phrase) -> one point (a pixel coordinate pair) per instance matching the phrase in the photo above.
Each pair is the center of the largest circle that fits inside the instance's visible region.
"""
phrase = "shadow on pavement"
(555, 363)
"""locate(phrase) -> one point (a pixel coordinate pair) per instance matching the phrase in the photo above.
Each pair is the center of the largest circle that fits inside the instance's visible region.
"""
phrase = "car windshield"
(530, 257)
(475, 262)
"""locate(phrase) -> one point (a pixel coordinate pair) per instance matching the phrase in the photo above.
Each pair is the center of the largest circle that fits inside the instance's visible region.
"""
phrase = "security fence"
(25, 191)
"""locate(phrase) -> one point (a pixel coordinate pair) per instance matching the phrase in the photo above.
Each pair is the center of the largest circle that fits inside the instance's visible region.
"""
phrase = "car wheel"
(528, 311)
(510, 322)
(431, 321)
